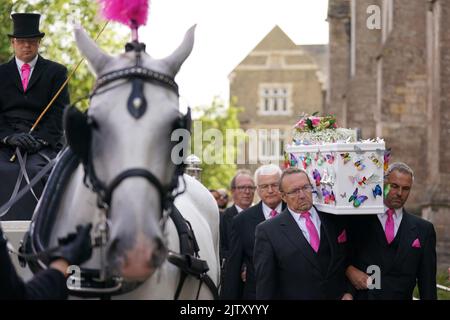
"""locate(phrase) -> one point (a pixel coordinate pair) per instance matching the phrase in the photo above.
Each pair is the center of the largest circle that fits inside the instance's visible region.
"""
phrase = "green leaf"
(309, 124)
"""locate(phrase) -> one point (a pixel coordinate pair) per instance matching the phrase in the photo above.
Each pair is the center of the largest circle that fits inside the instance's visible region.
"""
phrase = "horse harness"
(79, 128)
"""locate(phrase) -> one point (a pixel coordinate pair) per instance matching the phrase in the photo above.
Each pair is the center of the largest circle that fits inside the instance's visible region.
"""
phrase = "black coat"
(19, 109)
(47, 284)
(409, 265)
(240, 253)
(225, 231)
(18, 112)
(287, 267)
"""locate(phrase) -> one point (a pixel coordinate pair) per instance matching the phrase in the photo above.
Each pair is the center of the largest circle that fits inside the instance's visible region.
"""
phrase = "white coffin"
(340, 178)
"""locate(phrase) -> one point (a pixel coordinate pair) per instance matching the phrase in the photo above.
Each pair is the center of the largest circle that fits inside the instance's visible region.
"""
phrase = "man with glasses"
(28, 83)
(242, 192)
(301, 253)
(401, 246)
(238, 284)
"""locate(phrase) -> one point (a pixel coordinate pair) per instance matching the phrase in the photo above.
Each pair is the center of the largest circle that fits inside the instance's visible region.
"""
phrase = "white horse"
(137, 244)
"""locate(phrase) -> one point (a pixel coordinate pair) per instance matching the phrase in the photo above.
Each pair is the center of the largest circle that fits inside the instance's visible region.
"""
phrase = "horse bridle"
(137, 106)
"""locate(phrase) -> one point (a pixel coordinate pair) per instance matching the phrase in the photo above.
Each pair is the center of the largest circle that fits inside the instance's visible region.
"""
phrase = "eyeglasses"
(266, 187)
(305, 189)
(245, 188)
(31, 41)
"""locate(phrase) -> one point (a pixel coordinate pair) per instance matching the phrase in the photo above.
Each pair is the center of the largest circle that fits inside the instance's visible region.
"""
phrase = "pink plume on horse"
(126, 11)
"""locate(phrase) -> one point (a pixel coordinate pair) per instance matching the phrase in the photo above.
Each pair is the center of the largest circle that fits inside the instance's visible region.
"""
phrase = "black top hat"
(26, 25)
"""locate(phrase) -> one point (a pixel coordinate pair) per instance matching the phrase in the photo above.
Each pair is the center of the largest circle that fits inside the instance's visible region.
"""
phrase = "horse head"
(132, 113)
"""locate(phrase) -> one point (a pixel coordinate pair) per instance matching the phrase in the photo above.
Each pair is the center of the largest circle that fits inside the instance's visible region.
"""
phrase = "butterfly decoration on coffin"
(375, 160)
(357, 199)
(317, 177)
(328, 197)
(377, 191)
(319, 159)
(293, 160)
(306, 160)
(387, 158)
(359, 165)
(330, 158)
(359, 152)
(328, 177)
(346, 157)
(362, 182)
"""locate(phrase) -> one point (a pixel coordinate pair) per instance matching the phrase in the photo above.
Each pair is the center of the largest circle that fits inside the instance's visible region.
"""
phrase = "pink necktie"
(389, 226)
(25, 75)
(273, 213)
(314, 240)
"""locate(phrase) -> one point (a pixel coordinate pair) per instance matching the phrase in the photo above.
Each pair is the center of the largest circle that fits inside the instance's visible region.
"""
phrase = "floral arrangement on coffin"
(317, 130)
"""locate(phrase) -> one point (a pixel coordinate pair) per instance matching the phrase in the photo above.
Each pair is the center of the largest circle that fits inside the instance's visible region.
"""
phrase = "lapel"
(12, 66)
(292, 231)
(39, 68)
(233, 211)
(408, 235)
(380, 240)
(331, 236)
(378, 231)
(258, 215)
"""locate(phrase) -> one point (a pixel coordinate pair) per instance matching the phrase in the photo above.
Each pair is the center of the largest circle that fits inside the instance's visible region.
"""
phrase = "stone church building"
(391, 78)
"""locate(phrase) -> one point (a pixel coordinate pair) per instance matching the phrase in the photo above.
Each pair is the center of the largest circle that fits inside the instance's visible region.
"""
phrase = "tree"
(5, 22)
(213, 147)
(57, 17)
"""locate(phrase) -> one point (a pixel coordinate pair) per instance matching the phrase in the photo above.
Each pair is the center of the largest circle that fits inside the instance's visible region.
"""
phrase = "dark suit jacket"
(241, 252)
(287, 267)
(410, 265)
(225, 231)
(19, 109)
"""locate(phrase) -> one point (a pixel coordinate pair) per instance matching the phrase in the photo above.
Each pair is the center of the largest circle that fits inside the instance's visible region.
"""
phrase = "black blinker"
(78, 132)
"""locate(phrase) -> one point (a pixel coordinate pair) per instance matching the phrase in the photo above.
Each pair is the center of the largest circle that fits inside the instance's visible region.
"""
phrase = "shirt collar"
(239, 209)
(312, 211)
(32, 63)
(267, 210)
(397, 214)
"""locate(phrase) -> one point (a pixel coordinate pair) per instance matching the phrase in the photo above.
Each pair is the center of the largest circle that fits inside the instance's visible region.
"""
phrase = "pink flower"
(315, 121)
(300, 124)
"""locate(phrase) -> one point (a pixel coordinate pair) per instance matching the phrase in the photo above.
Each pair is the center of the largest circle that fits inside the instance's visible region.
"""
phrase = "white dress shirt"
(397, 216)
(32, 64)
(239, 209)
(301, 222)
(267, 210)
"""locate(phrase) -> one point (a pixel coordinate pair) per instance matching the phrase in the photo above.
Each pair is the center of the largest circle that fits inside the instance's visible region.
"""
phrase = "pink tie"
(314, 240)
(389, 226)
(273, 213)
(25, 75)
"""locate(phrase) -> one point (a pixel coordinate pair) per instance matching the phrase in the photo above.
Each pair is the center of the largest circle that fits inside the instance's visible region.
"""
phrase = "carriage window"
(275, 99)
